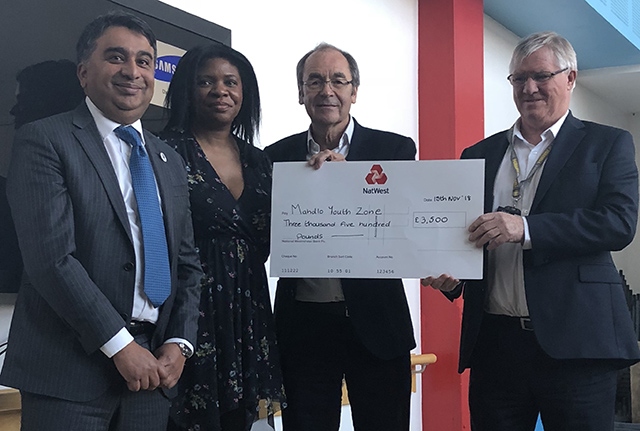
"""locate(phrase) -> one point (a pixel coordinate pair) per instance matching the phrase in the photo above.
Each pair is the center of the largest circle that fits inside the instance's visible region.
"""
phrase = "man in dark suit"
(111, 306)
(548, 326)
(330, 329)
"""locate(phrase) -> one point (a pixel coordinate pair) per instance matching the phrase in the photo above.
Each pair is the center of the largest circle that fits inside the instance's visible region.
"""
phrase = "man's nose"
(327, 89)
(530, 86)
(130, 68)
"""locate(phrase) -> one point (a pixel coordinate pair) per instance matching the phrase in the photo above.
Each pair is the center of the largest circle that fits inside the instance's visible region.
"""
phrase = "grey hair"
(559, 46)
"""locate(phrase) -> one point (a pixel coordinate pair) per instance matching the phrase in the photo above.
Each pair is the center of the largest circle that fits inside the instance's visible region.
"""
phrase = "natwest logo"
(376, 176)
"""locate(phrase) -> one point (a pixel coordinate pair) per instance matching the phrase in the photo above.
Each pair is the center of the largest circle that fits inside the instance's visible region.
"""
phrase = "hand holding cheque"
(385, 220)
(318, 159)
(493, 230)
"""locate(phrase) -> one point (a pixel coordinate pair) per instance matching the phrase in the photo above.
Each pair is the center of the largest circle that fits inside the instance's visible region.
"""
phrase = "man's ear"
(81, 71)
(300, 95)
(571, 79)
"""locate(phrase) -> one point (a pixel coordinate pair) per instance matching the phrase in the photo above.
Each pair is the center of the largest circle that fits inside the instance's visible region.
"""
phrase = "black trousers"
(118, 409)
(512, 381)
(319, 349)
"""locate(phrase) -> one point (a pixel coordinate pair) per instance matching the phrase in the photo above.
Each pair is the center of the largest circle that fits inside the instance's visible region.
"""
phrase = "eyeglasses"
(318, 84)
(520, 79)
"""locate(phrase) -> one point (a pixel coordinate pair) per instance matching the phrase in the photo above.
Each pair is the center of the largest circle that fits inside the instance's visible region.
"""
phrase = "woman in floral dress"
(214, 116)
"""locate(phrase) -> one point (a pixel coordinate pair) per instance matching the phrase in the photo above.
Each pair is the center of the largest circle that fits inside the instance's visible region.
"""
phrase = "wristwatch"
(185, 350)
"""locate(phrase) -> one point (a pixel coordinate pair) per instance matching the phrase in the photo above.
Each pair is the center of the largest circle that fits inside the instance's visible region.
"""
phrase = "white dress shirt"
(506, 273)
(119, 153)
(324, 289)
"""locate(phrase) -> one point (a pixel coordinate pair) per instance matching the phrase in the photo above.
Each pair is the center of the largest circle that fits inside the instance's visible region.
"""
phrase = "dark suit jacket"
(377, 308)
(585, 206)
(75, 238)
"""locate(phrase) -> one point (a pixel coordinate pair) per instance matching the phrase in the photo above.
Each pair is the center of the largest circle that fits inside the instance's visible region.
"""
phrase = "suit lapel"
(569, 137)
(493, 160)
(159, 163)
(89, 139)
(356, 142)
(302, 149)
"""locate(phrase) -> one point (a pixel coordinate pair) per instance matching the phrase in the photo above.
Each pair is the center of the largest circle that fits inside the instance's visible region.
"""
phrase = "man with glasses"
(548, 327)
(330, 329)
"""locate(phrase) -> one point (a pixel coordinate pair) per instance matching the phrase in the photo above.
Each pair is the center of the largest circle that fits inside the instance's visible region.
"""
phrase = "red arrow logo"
(376, 176)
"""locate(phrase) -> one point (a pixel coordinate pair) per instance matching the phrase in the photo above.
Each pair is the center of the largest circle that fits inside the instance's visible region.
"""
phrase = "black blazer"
(585, 206)
(377, 307)
(76, 243)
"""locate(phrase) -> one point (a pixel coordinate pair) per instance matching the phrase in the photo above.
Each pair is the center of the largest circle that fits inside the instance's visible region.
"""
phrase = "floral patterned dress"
(236, 358)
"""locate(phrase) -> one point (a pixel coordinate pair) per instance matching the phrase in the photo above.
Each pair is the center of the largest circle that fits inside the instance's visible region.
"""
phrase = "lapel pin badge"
(163, 157)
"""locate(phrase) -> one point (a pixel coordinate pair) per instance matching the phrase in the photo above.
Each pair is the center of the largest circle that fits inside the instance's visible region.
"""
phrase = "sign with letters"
(388, 219)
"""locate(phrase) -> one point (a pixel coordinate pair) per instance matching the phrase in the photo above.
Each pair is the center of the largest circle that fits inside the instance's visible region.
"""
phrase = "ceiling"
(609, 64)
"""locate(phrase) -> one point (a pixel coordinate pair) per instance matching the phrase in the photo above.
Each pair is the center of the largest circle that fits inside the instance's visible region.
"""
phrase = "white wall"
(380, 34)
(499, 109)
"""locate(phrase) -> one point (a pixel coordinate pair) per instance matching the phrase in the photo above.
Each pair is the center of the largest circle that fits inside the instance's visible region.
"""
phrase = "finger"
(477, 223)
(313, 160)
(316, 161)
(426, 281)
(484, 239)
(450, 284)
(166, 372)
(479, 231)
(133, 385)
(496, 242)
(154, 381)
(170, 381)
(144, 383)
(490, 235)
(444, 278)
(441, 282)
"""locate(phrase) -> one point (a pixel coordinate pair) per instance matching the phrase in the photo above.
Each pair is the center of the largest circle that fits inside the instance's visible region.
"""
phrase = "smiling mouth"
(128, 88)
(220, 106)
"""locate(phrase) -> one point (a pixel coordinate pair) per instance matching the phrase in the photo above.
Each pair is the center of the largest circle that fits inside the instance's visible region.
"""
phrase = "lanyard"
(517, 184)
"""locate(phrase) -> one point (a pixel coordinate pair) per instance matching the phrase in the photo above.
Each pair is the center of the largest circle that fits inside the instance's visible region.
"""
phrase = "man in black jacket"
(546, 328)
(330, 329)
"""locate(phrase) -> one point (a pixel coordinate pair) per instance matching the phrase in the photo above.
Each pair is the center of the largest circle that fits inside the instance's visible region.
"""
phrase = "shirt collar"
(549, 134)
(343, 146)
(106, 126)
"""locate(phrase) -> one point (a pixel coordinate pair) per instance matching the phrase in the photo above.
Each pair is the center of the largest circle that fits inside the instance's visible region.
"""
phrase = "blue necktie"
(157, 278)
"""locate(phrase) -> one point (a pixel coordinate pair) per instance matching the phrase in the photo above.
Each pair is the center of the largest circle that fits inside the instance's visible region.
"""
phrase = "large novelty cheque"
(389, 219)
